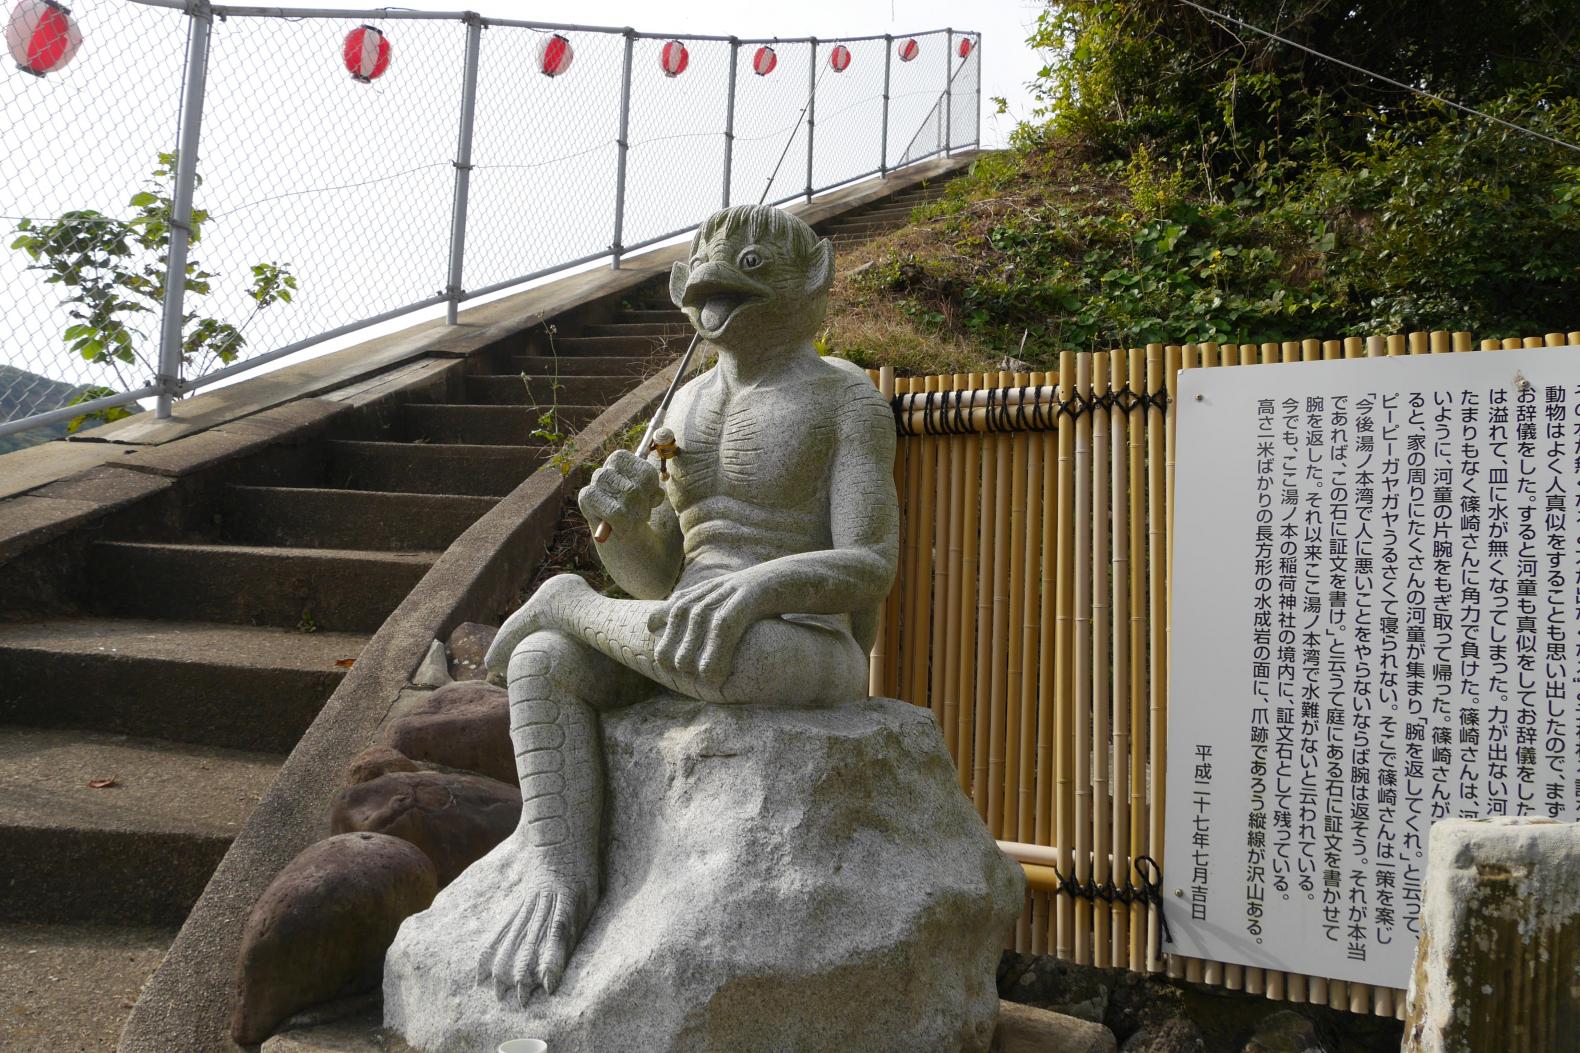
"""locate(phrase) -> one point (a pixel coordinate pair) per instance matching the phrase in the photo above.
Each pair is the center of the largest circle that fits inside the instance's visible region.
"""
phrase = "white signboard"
(1376, 625)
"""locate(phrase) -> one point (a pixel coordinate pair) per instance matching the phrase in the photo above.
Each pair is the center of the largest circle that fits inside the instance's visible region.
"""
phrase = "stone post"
(1498, 966)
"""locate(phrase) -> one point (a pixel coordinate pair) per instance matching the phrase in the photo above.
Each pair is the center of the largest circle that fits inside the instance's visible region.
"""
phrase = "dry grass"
(871, 326)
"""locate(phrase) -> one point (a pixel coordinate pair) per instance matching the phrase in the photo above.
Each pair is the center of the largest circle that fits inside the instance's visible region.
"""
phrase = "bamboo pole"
(1064, 701)
(909, 571)
(1162, 363)
(1463, 342)
(1082, 662)
(1102, 613)
(1532, 341)
(1031, 577)
(1119, 484)
(877, 685)
(1022, 756)
(1015, 670)
(987, 651)
(1573, 340)
(1045, 910)
(947, 620)
(971, 455)
(946, 556)
(1554, 340)
(1140, 745)
(1002, 485)
(917, 638)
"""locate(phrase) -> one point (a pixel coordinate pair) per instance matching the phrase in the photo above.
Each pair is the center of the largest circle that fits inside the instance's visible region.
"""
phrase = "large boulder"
(455, 819)
(464, 725)
(468, 645)
(320, 929)
(774, 879)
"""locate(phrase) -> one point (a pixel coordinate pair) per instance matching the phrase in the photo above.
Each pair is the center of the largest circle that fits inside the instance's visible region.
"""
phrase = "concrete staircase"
(191, 660)
(147, 705)
(891, 214)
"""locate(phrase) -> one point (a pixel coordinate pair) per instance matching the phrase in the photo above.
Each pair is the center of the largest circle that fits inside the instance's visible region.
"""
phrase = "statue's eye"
(750, 260)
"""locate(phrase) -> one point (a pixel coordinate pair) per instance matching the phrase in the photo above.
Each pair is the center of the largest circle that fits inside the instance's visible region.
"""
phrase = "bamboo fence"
(1030, 615)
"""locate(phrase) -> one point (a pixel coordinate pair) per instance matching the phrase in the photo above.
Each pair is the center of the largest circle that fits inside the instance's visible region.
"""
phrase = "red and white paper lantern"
(554, 55)
(674, 58)
(965, 47)
(367, 53)
(764, 61)
(42, 36)
(909, 50)
(839, 58)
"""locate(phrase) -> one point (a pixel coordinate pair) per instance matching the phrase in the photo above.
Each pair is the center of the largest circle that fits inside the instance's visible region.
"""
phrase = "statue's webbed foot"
(534, 944)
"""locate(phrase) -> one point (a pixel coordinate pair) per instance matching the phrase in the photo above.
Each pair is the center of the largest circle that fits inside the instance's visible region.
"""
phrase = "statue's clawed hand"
(698, 629)
(622, 493)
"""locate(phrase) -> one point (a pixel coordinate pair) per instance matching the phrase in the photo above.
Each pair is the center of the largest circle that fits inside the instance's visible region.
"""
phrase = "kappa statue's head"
(757, 278)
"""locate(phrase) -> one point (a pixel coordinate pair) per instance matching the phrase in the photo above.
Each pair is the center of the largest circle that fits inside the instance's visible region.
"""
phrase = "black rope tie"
(948, 412)
(1148, 890)
(1152, 889)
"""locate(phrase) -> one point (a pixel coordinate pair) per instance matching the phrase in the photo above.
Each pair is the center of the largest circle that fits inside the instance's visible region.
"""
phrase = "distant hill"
(22, 394)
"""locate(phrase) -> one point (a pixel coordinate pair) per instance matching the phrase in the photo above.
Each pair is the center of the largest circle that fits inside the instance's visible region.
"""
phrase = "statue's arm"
(644, 551)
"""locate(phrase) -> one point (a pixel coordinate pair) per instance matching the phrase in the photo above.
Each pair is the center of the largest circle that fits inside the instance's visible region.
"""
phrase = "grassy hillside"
(23, 393)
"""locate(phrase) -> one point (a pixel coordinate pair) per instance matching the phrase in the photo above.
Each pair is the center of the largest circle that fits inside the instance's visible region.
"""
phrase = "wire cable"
(1378, 76)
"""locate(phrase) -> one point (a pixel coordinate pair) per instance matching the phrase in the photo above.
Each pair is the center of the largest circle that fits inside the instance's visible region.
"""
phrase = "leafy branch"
(115, 271)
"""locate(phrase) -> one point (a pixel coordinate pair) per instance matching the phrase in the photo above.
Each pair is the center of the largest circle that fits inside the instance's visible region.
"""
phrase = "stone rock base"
(774, 880)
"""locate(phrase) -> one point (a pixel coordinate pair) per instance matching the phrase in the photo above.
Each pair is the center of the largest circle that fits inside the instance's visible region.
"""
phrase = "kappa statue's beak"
(715, 293)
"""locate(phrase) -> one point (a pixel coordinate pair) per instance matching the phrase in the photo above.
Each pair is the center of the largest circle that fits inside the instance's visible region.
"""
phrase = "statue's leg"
(557, 686)
(777, 662)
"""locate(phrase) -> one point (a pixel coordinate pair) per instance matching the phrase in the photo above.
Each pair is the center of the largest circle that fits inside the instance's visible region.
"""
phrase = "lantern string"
(795, 128)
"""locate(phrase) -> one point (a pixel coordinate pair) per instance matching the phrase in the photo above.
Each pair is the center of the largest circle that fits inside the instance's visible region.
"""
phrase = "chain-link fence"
(349, 167)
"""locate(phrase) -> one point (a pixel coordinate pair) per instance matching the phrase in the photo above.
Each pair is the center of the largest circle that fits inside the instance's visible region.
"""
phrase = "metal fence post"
(811, 112)
(949, 83)
(883, 150)
(168, 378)
(625, 147)
(463, 165)
(976, 49)
(729, 120)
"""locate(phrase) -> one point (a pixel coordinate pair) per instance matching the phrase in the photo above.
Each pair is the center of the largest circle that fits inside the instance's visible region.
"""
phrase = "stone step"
(510, 389)
(312, 517)
(898, 212)
(335, 590)
(582, 366)
(647, 346)
(70, 987)
(487, 425)
(679, 327)
(136, 852)
(487, 470)
(236, 686)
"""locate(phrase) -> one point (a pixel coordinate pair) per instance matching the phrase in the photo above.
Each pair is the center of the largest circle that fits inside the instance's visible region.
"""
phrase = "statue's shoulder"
(859, 402)
(851, 380)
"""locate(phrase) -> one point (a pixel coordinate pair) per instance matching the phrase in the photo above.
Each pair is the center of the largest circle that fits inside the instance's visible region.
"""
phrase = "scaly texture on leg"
(555, 686)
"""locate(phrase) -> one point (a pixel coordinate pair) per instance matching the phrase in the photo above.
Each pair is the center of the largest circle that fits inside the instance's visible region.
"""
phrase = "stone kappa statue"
(757, 568)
